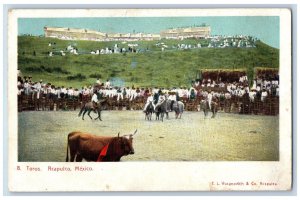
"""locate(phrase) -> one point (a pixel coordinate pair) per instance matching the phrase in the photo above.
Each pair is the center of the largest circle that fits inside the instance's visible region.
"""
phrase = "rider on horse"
(161, 99)
(149, 100)
(209, 98)
(173, 98)
(95, 100)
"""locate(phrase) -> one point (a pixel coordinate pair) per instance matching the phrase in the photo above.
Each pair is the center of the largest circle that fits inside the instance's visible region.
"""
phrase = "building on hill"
(73, 34)
(131, 37)
(190, 32)
(85, 34)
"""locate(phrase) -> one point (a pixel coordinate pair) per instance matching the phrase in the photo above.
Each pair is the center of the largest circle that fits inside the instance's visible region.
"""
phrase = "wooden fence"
(234, 105)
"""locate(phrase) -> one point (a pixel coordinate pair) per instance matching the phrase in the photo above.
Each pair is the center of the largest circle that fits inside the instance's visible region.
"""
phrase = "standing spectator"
(70, 93)
(76, 94)
(98, 81)
(264, 95)
(252, 95)
(119, 94)
(26, 87)
(133, 94)
(107, 84)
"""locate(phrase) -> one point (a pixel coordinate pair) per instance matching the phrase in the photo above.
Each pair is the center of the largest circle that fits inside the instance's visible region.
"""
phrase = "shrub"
(53, 70)
(79, 77)
(95, 75)
(60, 70)
(33, 69)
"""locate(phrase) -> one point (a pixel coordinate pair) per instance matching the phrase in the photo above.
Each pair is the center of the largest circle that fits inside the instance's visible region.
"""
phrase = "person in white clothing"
(209, 98)
(98, 81)
(149, 100)
(95, 100)
(252, 95)
(70, 93)
(107, 84)
(264, 95)
(119, 94)
(133, 94)
(172, 97)
(161, 99)
(26, 87)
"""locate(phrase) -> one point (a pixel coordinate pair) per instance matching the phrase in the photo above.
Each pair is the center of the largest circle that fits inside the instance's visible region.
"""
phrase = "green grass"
(153, 68)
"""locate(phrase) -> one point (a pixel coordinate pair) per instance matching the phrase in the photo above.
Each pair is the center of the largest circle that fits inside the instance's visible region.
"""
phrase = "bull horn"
(134, 132)
(119, 134)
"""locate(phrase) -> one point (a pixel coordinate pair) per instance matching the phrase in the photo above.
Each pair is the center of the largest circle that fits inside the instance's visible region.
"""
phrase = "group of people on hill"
(213, 42)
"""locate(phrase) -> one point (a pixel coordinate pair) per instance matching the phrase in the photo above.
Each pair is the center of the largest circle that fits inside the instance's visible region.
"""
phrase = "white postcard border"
(154, 176)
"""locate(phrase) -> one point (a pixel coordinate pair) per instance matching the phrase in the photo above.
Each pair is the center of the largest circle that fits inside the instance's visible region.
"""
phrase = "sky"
(265, 28)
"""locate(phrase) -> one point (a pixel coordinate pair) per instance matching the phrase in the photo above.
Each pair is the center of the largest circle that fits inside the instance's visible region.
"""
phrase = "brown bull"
(98, 148)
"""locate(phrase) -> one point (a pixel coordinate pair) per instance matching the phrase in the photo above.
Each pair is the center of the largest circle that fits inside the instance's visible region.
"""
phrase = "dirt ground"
(42, 136)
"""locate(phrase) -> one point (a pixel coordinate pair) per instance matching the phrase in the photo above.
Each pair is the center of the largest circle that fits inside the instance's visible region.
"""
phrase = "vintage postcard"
(149, 100)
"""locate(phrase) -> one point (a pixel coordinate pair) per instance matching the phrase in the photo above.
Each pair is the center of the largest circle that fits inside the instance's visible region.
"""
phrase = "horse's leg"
(89, 114)
(214, 114)
(83, 114)
(99, 115)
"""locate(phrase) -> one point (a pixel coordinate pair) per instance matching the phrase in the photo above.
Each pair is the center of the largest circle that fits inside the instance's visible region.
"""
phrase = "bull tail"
(81, 110)
(67, 158)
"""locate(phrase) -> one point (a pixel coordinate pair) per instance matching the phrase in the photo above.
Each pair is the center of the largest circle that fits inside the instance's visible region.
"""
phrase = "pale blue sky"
(265, 28)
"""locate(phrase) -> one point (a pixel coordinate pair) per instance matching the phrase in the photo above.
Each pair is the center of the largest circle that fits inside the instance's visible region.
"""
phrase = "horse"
(205, 107)
(178, 108)
(149, 110)
(161, 109)
(89, 107)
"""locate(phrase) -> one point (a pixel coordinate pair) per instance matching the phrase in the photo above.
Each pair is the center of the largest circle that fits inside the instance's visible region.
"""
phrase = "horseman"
(209, 98)
(156, 96)
(161, 99)
(95, 100)
(149, 100)
(172, 97)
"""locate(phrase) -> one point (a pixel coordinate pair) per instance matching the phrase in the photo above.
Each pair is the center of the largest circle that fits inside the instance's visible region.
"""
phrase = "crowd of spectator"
(261, 88)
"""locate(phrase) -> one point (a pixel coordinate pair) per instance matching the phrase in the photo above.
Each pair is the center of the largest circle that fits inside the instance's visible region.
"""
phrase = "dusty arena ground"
(42, 136)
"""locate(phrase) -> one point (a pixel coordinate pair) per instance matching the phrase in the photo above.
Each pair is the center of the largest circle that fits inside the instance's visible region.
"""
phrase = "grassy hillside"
(150, 68)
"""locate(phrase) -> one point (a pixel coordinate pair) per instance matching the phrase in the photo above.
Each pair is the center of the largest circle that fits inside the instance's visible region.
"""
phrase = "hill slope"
(152, 67)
